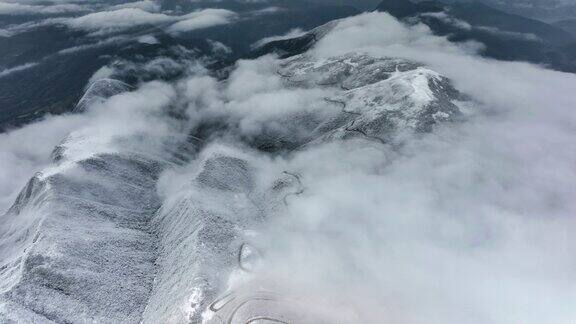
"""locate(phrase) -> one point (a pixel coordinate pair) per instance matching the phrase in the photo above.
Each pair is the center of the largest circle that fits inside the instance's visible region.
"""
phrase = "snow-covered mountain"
(88, 239)
(365, 170)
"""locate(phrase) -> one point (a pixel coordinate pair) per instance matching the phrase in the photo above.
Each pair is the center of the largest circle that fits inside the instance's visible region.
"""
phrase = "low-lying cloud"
(202, 19)
(116, 20)
(102, 21)
(121, 19)
(16, 69)
(461, 24)
(146, 5)
(468, 224)
(293, 33)
(14, 8)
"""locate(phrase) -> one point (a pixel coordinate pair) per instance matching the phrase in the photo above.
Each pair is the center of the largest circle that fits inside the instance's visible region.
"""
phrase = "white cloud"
(461, 24)
(202, 19)
(510, 34)
(9, 8)
(146, 5)
(295, 32)
(268, 11)
(15, 69)
(445, 18)
(462, 225)
(12, 30)
(113, 19)
(219, 48)
(28, 150)
(104, 42)
(148, 39)
(116, 20)
(133, 16)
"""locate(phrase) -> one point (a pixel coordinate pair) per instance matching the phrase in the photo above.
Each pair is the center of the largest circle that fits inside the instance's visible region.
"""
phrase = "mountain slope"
(93, 220)
(505, 36)
(44, 67)
(568, 25)
(81, 238)
(544, 10)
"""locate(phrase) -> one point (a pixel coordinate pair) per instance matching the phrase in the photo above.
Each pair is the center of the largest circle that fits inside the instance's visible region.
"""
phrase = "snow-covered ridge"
(79, 233)
(285, 46)
(378, 97)
(100, 90)
(207, 224)
(89, 239)
(76, 246)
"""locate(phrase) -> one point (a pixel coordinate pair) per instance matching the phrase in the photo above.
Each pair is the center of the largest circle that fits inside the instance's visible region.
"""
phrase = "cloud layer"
(464, 225)
(202, 19)
(11, 8)
(125, 18)
(116, 20)
(103, 20)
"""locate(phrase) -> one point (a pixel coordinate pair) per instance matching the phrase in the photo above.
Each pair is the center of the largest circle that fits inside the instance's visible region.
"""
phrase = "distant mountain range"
(44, 68)
(546, 10)
(568, 25)
(506, 36)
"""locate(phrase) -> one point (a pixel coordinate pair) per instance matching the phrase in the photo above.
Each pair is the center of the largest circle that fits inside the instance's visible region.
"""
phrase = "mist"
(470, 223)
